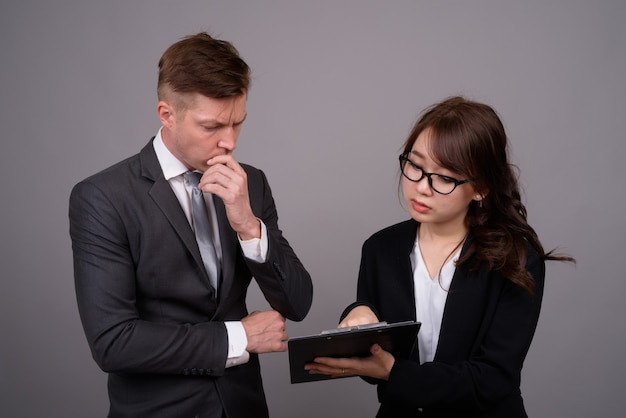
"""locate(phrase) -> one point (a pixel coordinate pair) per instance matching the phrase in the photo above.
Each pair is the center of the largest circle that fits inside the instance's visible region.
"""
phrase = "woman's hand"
(378, 365)
(360, 315)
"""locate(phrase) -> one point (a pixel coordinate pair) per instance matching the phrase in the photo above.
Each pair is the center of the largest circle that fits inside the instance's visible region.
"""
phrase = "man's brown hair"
(202, 64)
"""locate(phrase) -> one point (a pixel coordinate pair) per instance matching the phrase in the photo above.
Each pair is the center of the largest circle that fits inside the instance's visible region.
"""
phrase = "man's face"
(206, 128)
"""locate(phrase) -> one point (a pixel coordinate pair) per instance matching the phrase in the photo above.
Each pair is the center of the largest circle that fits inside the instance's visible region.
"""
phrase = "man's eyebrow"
(242, 120)
(215, 122)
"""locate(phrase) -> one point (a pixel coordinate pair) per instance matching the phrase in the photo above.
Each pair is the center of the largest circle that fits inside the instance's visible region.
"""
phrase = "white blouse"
(430, 299)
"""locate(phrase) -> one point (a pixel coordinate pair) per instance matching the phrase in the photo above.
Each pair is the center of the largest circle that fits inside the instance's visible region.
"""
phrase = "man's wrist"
(252, 231)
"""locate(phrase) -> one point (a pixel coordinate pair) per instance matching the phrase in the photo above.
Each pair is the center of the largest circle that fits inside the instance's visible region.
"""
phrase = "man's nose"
(228, 141)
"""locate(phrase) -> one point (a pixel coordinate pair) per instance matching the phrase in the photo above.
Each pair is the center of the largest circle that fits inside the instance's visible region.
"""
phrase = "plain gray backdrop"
(336, 88)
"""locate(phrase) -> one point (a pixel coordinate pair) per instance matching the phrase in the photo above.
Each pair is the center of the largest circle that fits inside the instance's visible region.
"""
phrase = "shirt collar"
(171, 166)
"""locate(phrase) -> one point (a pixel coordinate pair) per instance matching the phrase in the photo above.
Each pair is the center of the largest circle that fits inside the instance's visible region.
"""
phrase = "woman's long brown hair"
(468, 138)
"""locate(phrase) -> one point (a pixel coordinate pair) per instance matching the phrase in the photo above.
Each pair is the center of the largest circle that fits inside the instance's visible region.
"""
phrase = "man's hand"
(228, 180)
(360, 315)
(265, 331)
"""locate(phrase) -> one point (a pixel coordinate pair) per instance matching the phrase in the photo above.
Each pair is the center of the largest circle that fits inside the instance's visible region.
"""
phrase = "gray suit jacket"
(151, 317)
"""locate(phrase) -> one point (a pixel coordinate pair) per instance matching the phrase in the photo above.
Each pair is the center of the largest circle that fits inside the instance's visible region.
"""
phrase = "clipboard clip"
(354, 328)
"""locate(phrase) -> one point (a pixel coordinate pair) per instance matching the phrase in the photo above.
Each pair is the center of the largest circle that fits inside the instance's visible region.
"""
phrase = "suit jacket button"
(278, 270)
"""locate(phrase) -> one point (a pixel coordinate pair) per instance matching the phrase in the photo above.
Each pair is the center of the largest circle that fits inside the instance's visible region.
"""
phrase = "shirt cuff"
(237, 343)
(256, 248)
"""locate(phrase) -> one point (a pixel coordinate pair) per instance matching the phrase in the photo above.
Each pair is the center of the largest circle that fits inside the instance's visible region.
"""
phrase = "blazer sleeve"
(282, 278)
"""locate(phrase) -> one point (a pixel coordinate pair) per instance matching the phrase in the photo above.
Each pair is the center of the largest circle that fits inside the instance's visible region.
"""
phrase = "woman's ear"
(478, 198)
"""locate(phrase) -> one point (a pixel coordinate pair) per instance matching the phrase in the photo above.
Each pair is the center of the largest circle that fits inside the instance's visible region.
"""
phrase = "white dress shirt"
(430, 300)
(254, 249)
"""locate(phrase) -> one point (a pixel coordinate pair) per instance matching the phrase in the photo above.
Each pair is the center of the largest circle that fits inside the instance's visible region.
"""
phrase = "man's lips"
(419, 206)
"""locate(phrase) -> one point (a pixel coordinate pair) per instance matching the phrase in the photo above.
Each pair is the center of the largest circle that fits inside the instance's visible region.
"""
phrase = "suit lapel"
(163, 196)
(165, 199)
(463, 313)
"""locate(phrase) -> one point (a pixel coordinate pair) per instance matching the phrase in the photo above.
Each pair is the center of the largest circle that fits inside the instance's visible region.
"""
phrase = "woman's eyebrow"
(417, 154)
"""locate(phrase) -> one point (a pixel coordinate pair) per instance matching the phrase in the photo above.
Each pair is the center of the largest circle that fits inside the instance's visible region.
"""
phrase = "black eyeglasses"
(438, 182)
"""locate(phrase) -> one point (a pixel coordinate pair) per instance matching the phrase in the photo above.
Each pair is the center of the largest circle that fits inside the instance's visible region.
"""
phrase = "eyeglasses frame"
(404, 158)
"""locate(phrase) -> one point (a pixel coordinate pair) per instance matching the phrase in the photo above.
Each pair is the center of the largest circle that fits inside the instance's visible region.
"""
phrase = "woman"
(467, 266)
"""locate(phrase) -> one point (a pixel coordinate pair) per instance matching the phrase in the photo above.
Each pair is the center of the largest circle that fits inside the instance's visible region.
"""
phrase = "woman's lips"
(419, 206)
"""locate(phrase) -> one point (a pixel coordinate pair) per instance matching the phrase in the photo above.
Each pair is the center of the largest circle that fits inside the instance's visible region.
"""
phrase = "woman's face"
(426, 205)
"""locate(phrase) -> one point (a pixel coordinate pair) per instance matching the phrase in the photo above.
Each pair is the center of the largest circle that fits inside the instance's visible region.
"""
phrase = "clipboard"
(399, 338)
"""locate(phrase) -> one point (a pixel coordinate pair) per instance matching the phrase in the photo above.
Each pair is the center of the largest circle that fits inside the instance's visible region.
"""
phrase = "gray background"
(337, 86)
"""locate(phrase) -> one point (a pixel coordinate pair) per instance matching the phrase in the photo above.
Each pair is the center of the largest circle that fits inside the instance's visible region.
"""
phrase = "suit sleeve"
(282, 278)
(105, 273)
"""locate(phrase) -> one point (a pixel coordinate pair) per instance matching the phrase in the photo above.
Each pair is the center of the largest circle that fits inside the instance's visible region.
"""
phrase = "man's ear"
(165, 111)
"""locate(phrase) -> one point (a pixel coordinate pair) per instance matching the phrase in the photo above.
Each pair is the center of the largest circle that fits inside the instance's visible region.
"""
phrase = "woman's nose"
(423, 185)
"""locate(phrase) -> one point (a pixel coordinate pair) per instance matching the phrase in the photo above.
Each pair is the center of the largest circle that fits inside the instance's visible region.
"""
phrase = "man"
(168, 322)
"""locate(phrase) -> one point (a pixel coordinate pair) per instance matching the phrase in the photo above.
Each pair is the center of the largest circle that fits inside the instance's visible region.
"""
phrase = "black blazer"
(149, 313)
(488, 325)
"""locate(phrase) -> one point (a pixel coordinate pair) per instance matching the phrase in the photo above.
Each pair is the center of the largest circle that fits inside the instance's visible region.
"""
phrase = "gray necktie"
(203, 228)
